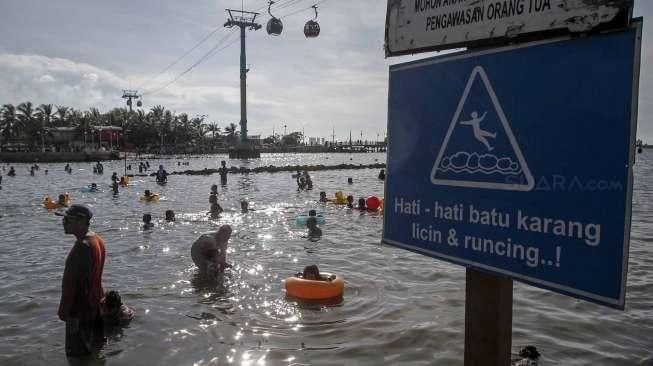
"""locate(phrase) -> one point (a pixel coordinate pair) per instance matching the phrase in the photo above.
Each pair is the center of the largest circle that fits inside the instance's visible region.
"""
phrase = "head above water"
(361, 203)
(62, 198)
(312, 213)
(223, 234)
(322, 194)
(147, 218)
(350, 180)
(350, 199)
(214, 188)
(244, 206)
(170, 215)
(223, 163)
(148, 193)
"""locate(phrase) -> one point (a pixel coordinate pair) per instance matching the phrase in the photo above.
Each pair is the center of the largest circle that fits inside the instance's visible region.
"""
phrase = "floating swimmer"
(313, 285)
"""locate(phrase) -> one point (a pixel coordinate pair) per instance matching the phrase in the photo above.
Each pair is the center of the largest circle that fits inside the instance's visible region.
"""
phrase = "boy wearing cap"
(81, 289)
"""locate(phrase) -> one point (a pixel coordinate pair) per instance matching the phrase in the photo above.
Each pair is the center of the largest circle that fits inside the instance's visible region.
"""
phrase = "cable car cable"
(215, 49)
(171, 65)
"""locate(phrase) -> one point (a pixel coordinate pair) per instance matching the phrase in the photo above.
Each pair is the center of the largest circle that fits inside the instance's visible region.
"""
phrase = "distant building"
(315, 141)
(254, 139)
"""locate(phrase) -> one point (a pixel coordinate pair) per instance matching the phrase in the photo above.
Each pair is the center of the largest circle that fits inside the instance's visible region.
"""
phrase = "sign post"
(517, 163)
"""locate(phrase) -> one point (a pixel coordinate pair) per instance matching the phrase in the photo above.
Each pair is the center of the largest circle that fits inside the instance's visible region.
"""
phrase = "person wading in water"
(81, 288)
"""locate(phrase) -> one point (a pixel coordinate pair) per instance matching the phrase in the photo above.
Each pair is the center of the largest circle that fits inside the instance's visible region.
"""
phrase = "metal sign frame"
(636, 26)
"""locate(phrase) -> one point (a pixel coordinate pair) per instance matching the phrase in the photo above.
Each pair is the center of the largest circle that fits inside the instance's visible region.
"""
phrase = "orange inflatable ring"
(314, 290)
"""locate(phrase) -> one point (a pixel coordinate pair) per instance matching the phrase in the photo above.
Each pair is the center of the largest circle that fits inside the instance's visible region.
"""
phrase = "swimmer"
(209, 251)
(161, 175)
(313, 230)
(244, 206)
(62, 200)
(147, 222)
(312, 273)
(114, 312)
(170, 215)
(382, 174)
(362, 205)
(215, 210)
(350, 201)
(46, 172)
(529, 356)
(323, 197)
(94, 187)
(214, 189)
(147, 193)
(350, 180)
(114, 177)
(223, 172)
(12, 172)
(309, 181)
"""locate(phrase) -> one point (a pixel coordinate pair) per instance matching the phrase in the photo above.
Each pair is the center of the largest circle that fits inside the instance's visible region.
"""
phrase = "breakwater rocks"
(276, 169)
(57, 157)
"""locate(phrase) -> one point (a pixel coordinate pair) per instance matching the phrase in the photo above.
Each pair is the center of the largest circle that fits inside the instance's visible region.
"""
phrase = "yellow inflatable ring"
(315, 290)
(153, 197)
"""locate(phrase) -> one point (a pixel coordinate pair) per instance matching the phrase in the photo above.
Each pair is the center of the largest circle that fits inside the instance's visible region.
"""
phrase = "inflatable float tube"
(303, 218)
(88, 189)
(314, 290)
(153, 198)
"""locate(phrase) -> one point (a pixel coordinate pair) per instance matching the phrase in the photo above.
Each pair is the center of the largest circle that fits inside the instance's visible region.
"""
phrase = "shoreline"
(91, 156)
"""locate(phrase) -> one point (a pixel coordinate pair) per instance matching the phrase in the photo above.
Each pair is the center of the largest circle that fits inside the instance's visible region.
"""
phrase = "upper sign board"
(414, 26)
(518, 161)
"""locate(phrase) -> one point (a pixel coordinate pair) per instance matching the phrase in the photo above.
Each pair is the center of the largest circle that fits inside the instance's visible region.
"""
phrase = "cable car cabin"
(311, 29)
(274, 27)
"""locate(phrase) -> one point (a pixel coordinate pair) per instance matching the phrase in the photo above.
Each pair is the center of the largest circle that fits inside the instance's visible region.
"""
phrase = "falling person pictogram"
(479, 134)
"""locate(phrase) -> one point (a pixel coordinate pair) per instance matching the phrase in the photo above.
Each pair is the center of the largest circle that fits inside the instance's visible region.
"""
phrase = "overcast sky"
(82, 53)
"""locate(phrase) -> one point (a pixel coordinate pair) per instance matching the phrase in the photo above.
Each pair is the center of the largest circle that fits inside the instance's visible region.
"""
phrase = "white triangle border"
(530, 182)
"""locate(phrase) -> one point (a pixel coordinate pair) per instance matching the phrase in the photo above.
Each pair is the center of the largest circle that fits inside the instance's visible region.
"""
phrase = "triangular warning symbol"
(479, 149)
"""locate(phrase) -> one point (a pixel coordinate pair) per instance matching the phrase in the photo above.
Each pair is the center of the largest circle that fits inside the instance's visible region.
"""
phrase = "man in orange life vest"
(81, 290)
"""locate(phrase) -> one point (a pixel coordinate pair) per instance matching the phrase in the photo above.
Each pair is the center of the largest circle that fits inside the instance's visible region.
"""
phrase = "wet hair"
(322, 194)
(62, 197)
(170, 215)
(350, 198)
(113, 301)
(93, 185)
(311, 270)
(312, 213)
(529, 352)
(350, 180)
(214, 188)
(361, 203)
(147, 192)
(147, 218)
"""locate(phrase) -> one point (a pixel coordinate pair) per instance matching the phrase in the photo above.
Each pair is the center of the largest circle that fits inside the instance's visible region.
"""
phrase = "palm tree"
(10, 124)
(33, 130)
(61, 116)
(231, 132)
(214, 129)
(44, 114)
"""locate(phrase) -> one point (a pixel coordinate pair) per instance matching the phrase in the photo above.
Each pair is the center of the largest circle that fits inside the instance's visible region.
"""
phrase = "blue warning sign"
(518, 161)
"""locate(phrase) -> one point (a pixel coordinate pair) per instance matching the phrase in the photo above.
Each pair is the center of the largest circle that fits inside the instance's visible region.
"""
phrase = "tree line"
(156, 130)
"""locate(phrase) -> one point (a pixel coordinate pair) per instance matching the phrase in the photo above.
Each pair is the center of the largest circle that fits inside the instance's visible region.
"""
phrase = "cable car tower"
(245, 20)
